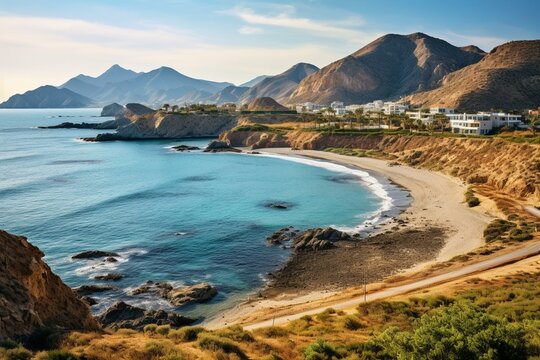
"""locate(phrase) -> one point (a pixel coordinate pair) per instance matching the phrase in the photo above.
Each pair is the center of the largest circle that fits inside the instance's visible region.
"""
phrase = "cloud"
(250, 30)
(40, 50)
(285, 17)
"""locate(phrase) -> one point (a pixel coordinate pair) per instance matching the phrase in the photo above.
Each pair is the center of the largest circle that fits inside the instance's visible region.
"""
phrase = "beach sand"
(437, 206)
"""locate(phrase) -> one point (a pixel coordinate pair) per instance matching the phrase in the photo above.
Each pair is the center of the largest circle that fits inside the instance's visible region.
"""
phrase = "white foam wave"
(94, 267)
(371, 182)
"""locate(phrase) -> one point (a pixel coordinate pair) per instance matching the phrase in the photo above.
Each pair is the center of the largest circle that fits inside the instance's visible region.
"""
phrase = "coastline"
(437, 205)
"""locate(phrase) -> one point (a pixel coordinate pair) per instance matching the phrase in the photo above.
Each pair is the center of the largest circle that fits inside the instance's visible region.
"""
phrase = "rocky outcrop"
(32, 296)
(185, 148)
(137, 109)
(266, 104)
(178, 296)
(517, 165)
(122, 315)
(319, 239)
(94, 254)
(109, 277)
(113, 109)
(220, 146)
(85, 290)
(282, 236)
(254, 139)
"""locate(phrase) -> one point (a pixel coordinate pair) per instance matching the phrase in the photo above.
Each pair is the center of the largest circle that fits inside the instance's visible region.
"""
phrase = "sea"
(179, 217)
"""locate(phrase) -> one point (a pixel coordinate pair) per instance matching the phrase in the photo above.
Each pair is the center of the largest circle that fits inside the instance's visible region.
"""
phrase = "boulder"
(113, 109)
(197, 293)
(85, 290)
(122, 315)
(94, 254)
(32, 296)
(220, 146)
(109, 277)
(283, 235)
(319, 239)
(90, 301)
(185, 148)
(160, 288)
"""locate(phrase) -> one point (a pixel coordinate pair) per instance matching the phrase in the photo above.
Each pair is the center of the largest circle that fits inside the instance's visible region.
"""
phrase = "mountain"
(47, 97)
(90, 86)
(159, 86)
(231, 94)
(389, 67)
(280, 86)
(254, 81)
(507, 78)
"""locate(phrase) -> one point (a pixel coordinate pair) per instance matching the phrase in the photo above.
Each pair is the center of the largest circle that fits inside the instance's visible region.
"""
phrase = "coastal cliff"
(32, 297)
(512, 168)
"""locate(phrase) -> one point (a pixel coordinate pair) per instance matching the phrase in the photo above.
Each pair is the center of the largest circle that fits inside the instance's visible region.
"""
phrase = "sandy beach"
(437, 208)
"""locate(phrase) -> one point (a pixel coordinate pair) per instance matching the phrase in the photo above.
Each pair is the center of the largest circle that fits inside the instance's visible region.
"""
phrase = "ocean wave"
(92, 267)
(366, 178)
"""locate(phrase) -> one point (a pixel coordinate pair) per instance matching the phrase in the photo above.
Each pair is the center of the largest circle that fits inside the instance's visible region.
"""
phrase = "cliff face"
(507, 78)
(511, 168)
(32, 296)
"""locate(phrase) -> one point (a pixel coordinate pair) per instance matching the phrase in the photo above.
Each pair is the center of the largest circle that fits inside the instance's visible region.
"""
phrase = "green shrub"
(460, 331)
(216, 343)
(470, 199)
(351, 322)
(497, 229)
(155, 349)
(236, 333)
(150, 329)
(9, 344)
(273, 332)
(163, 330)
(320, 350)
(18, 353)
(252, 127)
(519, 235)
(186, 334)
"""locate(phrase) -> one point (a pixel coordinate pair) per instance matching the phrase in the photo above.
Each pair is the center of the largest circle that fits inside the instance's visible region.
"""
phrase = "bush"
(163, 330)
(18, 353)
(460, 331)
(320, 350)
(273, 332)
(216, 343)
(236, 333)
(9, 344)
(185, 334)
(519, 235)
(470, 199)
(155, 349)
(351, 323)
(150, 329)
(497, 229)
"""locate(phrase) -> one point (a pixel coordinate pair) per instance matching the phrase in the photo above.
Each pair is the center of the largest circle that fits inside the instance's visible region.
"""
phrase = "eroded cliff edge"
(32, 297)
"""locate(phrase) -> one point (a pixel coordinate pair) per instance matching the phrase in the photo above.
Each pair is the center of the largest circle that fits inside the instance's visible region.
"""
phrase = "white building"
(352, 108)
(425, 117)
(481, 123)
(391, 108)
(309, 107)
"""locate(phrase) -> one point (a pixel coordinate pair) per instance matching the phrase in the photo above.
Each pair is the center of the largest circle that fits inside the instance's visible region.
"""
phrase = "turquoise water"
(178, 217)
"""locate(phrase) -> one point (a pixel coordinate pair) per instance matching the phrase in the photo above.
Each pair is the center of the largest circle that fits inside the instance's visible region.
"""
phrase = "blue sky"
(46, 42)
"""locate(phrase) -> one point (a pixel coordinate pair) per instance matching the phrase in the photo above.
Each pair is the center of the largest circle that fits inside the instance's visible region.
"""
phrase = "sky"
(48, 42)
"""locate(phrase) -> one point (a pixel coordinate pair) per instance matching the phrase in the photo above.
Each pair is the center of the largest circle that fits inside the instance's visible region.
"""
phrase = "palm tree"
(430, 127)
(442, 120)
(535, 122)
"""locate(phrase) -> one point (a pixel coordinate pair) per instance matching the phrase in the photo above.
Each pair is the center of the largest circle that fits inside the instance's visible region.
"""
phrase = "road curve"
(530, 250)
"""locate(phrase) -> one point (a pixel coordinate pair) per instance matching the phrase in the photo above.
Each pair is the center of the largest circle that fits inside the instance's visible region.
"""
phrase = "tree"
(174, 108)
(166, 107)
(441, 120)
(535, 122)
(460, 331)
(360, 117)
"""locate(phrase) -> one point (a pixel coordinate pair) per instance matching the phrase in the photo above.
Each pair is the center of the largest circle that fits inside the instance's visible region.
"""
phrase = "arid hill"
(281, 86)
(266, 104)
(32, 296)
(389, 67)
(507, 78)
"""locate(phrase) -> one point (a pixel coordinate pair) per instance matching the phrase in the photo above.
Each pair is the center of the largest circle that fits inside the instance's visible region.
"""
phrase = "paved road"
(467, 270)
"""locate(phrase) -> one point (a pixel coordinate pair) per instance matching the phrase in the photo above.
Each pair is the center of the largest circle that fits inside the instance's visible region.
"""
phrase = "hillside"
(266, 104)
(254, 81)
(47, 97)
(229, 94)
(32, 296)
(389, 67)
(279, 87)
(507, 78)
(90, 86)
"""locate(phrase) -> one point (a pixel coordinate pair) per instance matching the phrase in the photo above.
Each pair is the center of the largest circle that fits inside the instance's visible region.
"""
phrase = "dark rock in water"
(220, 146)
(278, 205)
(109, 277)
(122, 315)
(282, 236)
(113, 109)
(105, 137)
(178, 296)
(85, 290)
(319, 239)
(185, 148)
(111, 260)
(159, 288)
(90, 301)
(70, 125)
(94, 254)
(197, 293)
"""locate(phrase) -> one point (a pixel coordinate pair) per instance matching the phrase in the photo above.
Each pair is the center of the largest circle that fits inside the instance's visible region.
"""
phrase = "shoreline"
(437, 205)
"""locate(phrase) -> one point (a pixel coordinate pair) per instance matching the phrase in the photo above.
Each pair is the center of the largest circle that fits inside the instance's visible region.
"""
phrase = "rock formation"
(113, 109)
(178, 296)
(319, 239)
(122, 315)
(266, 104)
(32, 296)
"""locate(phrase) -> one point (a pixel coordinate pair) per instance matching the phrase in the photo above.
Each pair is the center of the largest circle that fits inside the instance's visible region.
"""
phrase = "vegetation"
(486, 319)
(378, 154)
(503, 230)
(470, 199)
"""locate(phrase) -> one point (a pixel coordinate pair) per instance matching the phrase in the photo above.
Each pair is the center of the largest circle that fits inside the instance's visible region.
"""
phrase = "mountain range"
(416, 67)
